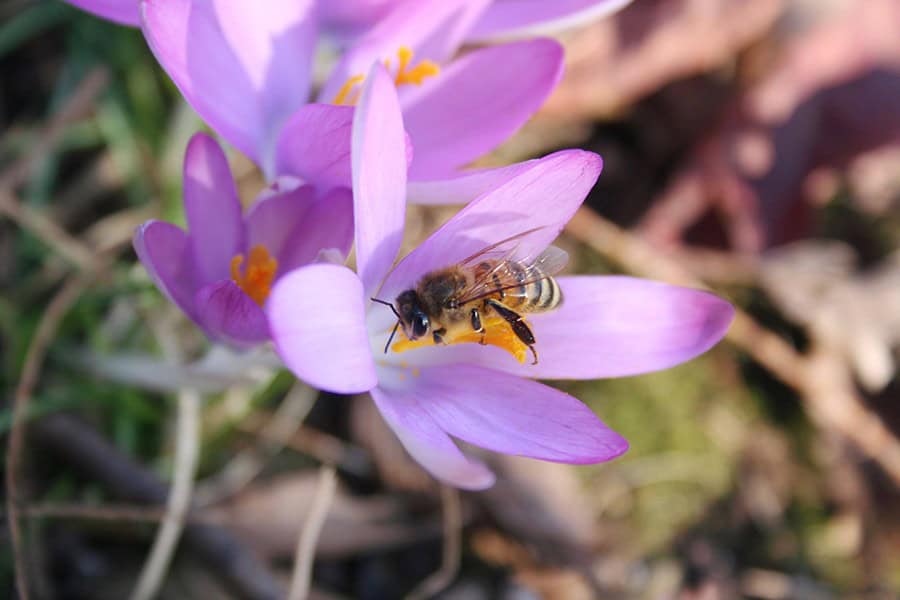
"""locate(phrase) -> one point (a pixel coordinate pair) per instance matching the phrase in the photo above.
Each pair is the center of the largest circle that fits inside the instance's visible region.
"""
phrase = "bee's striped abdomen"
(534, 293)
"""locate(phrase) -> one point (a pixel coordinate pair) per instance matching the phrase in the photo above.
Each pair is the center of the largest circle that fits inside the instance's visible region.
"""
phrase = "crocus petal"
(477, 102)
(379, 177)
(347, 18)
(545, 196)
(316, 315)
(616, 326)
(507, 19)
(296, 224)
(512, 415)
(212, 208)
(426, 442)
(462, 188)
(245, 70)
(164, 250)
(124, 12)
(315, 145)
(230, 315)
(432, 29)
(607, 326)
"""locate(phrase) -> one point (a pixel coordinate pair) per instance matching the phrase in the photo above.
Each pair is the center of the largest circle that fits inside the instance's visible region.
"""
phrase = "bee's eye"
(420, 325)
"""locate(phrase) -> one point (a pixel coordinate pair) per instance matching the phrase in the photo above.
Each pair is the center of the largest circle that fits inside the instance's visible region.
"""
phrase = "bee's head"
(413, 318)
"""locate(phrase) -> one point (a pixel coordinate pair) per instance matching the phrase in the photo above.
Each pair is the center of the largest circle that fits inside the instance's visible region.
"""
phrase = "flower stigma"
(405, 75)
(257, 275)
(497, 332)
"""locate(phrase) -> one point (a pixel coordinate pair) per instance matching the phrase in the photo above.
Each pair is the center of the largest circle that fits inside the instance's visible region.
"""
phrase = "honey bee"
(452, 303)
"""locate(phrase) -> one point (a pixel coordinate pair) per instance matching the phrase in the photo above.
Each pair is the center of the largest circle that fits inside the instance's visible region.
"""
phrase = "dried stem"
(275, 435)
(179, 502)
(77, 106)
(309, 537)
(820, 378)
(34, 360)
(87, 452)
(444, 576)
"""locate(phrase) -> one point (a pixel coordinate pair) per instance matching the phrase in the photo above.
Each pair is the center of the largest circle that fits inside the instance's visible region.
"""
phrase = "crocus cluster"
(397, 120)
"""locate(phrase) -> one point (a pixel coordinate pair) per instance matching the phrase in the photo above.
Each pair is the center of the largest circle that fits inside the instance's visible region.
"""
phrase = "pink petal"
(229, 315)
(296, 224)
(315, 145)
(124, 12)
(379, 178)
(544, 195)
(519, 18)
(478, 102)
(609, 326)
(616, 326)
(432, 29)
(212, 208)
(316, 315)
(461, 188)
(164, 250)
(244, 69)
(349, 18)
(509, 414)
(426, 442)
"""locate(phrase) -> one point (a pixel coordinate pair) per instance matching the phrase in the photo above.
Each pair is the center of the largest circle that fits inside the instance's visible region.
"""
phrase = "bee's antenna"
(396, 325)
(388, 304)
(393, 331)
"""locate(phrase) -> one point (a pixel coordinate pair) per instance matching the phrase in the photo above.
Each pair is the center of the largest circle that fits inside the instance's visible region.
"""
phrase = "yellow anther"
(257, 277)
(405, 75)
(417, 74)
(497, 332)
(344, 92)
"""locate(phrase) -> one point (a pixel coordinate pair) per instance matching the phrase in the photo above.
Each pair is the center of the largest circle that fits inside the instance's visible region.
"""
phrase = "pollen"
(406, 74)
(417, 74)
(497, 332)
(257, 275)
(343, 94)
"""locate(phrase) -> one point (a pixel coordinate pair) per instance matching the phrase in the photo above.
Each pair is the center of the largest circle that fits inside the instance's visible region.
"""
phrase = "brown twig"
(444, 576)
(90, 454)
(309, 536)
(275, 434)
(187, 449)
(76, 107)
(820, 377)
(34, 359)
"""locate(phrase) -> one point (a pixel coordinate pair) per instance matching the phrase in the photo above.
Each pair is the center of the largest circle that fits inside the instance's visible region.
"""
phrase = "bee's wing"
(502, 250)
(511, 276)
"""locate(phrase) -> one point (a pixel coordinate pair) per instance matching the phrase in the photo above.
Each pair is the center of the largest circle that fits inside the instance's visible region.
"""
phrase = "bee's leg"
(518, 324)
(475, 317)
(438, 336)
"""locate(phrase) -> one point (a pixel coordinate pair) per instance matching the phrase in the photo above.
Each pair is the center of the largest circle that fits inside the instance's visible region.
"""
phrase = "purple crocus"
(248, 74)
(606, 327)
(347, 19)
(221, 270)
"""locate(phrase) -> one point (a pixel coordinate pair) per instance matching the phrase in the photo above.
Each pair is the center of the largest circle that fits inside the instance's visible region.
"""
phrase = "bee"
(452, 303)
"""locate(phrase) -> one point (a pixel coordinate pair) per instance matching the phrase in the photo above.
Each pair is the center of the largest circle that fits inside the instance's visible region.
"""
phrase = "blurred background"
(749, 147)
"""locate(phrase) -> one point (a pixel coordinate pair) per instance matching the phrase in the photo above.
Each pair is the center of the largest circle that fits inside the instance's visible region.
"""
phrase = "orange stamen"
(405, 75)
(344, 92)
(417, 74)
(497, 332)
(257, 277)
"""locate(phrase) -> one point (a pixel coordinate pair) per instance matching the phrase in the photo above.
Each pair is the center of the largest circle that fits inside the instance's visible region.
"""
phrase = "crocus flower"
(247, 73)
(606, 326)
(221, 270)
(496, 19)
(347, 19)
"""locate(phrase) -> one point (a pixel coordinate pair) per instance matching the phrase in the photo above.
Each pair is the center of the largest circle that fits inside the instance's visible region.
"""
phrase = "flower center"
(406, 74)
(497, 332)
(257, 275)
